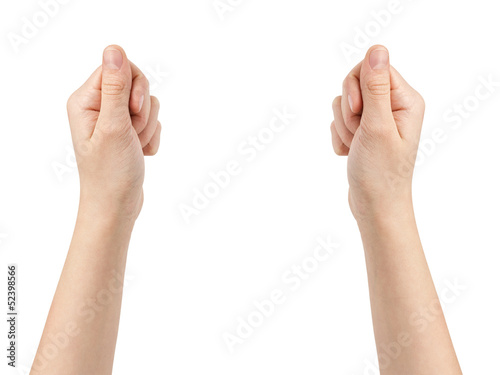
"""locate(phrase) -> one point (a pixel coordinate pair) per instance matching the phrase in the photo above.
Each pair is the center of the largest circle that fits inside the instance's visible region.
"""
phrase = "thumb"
(115, 87)
(375, 82)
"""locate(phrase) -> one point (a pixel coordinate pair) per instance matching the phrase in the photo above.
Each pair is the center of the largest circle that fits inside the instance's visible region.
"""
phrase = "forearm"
(83, 320)
(402, 293)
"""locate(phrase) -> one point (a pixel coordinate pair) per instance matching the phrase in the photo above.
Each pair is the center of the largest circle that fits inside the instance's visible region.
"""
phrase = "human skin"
(114, 123)
(377, 124)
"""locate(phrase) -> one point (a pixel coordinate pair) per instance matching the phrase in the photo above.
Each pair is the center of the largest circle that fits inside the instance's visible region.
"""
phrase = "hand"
(114, 123)
(377, 123)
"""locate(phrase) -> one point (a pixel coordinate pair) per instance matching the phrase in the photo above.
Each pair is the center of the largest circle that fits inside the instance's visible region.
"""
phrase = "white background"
(218, 81)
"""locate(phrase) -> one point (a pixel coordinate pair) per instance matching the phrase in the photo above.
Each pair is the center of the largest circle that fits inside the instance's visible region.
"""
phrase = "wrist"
(116, 205)
(389, 230)
(381, 209)
(91, 212)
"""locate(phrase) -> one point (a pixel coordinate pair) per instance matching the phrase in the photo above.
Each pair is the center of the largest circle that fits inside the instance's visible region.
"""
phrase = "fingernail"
(113, 59)
(349, 99)
(141, 102)
(379, 59)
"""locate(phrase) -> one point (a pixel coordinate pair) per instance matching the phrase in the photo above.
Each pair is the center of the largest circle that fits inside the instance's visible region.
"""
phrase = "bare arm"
(113, 124)
(377, 124)
(401, 294)
(82, 326)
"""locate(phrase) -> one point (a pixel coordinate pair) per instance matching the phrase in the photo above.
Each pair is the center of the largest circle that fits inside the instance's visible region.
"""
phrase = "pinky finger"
(338, 146)
(154, 144)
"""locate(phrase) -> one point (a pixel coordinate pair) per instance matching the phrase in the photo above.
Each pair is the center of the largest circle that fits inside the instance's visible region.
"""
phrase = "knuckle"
(336, 102)
(150, 151)
(143, 77)
(341, 149)
(143, 81)
(155, 103)
(378, 86)
(345, 83)
(349, 82)
(113, 86)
